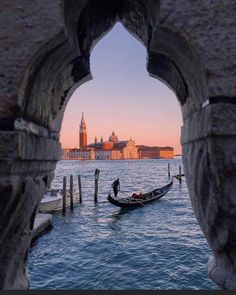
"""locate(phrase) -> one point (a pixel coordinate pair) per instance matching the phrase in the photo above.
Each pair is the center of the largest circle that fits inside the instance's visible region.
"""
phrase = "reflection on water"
(100, 246)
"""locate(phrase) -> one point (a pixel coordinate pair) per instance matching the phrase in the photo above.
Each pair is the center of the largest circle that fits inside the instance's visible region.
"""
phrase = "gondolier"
(116, 186)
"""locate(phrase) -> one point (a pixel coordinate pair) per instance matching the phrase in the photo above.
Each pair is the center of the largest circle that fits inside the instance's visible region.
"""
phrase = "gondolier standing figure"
(116, 186)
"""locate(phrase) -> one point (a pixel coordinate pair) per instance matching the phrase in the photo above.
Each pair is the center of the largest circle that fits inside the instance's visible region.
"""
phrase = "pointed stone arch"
(49, 58)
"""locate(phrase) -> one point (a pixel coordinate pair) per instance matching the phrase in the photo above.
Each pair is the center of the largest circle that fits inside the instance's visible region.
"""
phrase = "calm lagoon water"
(101, 247)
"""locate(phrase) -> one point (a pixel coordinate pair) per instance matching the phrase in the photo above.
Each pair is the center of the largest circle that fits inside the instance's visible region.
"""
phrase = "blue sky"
(122, 97)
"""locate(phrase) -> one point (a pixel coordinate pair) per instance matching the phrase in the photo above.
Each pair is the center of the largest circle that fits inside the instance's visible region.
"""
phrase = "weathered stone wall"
(25, 27)
(44, 55)
(28, 148)
(209, 27)
(21, 187)
(208, 139)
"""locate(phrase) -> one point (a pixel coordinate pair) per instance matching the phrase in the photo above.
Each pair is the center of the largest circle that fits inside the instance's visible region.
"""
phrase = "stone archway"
(45, 55)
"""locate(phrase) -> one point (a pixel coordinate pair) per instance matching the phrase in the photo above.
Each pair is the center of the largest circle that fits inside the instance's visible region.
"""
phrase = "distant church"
(113, 149)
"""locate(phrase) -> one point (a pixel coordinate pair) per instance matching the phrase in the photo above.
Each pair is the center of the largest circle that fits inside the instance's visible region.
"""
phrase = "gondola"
(140, 199)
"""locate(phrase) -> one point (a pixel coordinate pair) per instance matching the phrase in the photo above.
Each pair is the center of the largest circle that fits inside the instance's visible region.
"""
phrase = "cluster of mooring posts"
(96, 174)
(177, 176)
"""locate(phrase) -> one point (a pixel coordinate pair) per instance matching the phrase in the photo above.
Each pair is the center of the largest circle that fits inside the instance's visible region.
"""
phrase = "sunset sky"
(123, 98)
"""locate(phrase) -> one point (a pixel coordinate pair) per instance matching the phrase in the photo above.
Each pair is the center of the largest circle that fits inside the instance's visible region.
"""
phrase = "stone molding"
(212, 120)
(17, 145)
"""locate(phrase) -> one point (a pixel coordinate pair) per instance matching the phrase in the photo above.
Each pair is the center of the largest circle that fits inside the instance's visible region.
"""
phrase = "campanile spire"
(82, 134)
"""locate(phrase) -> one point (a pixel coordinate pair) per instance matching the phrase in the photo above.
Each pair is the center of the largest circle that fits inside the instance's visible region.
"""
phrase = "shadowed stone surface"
(42, 223)
(45, 55)
(208, 140)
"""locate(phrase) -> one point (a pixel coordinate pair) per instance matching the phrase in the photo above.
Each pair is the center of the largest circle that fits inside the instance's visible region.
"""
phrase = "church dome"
(113, 137)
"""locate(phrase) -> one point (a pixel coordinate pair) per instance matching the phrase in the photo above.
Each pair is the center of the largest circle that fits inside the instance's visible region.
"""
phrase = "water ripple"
(101, 247)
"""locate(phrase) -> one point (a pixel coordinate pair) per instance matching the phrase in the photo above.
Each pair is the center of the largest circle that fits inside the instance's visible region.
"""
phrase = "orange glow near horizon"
(123, 98)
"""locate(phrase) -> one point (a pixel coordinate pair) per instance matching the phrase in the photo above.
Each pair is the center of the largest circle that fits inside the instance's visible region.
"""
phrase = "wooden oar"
(132, 198)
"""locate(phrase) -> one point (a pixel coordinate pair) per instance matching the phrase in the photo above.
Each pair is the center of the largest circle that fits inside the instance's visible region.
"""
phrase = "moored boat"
(52, 200)
(139, 199)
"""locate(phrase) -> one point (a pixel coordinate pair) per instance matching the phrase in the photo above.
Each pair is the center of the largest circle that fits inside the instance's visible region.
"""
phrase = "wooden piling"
(168, 169)
(96, 185)
(80, 189)
(180, 174)
(71, 194)
(64, 196)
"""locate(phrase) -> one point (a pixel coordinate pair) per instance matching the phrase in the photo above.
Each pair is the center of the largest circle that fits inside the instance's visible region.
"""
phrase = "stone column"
(209, 139)
(26, 168)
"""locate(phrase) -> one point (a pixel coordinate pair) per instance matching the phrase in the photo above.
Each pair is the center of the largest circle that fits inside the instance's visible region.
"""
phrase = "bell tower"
(82, 134)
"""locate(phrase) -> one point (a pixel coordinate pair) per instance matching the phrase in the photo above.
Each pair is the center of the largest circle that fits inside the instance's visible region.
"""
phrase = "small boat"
(52, 200)
(139, 199)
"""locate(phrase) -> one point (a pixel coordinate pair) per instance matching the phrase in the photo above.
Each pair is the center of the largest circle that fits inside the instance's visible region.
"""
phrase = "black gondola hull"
(142, 200)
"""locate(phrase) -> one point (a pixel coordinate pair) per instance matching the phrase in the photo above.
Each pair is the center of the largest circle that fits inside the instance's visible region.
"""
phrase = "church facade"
(112, 149)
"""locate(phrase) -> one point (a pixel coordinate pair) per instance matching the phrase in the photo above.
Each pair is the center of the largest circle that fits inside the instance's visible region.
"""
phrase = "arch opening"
(82, 90)
(62, 65)
(121, 88)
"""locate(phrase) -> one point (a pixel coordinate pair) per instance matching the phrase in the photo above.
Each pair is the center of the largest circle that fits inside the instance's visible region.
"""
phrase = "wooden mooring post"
(96, 185)
(180, 174)
(64, 196)
(71, 193)
(80, 189)
(168, 169)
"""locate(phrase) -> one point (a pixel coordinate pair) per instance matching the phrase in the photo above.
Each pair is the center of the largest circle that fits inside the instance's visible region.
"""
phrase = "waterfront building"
(155, 152)
(66, 154)
(78, 154)
(113, 149)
